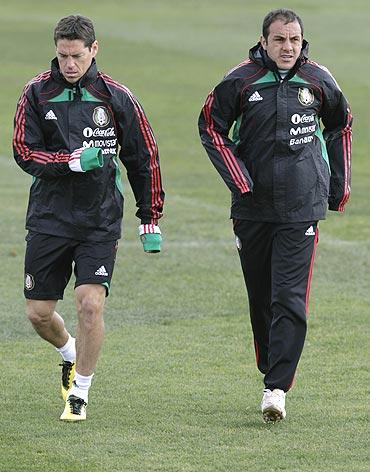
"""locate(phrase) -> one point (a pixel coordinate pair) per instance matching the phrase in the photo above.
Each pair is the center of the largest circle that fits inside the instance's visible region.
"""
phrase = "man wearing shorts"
(71, 124)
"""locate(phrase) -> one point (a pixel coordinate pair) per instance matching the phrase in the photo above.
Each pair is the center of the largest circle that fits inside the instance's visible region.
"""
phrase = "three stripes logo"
(255, 97)
(310, 231)
(102, 271)
(50, 115)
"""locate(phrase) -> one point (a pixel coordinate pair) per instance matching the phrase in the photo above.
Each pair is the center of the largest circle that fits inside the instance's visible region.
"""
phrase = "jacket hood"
(88, 78)
(258, 54)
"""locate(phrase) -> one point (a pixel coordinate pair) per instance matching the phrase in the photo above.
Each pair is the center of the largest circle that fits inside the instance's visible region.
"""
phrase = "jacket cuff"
(149, 229)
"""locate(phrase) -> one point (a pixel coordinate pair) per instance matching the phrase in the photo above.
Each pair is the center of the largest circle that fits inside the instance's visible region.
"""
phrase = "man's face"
(284, 43)
(74, 58)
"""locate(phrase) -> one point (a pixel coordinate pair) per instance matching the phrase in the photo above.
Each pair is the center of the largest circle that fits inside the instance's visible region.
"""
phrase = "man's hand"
(151, 238)
(85, 159)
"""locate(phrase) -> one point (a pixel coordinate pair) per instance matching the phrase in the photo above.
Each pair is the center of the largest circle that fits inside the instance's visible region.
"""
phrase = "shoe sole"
(72, 420)
(271, 415)
(67, 416)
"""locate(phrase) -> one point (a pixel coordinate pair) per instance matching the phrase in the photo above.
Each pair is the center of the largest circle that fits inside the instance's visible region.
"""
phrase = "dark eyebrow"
(72, 55)
(279, 36)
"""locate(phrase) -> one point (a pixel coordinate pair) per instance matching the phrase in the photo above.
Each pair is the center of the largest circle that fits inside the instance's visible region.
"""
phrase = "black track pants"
(277, 261)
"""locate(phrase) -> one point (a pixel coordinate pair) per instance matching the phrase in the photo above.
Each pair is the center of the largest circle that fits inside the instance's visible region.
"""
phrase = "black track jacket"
(53, 118)
(280, 165)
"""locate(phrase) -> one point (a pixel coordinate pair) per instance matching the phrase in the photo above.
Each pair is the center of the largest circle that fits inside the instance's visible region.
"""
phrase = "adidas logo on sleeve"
(50, 115)
(255, 97)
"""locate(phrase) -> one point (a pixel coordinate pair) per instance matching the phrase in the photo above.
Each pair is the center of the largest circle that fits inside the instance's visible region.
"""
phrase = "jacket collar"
(258, 55)
(88, 78)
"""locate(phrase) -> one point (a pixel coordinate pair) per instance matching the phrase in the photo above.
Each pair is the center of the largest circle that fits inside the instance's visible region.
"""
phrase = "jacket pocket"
(323, 174)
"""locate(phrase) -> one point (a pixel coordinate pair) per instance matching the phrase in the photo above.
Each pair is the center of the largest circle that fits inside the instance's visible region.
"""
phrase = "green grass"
(176, 388)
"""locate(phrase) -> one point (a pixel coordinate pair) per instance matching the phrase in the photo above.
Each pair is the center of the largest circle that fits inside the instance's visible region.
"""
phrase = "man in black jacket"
(283, 171)
(71, 124)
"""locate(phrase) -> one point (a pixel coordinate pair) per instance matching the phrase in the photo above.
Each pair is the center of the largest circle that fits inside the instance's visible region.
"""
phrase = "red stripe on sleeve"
(151, 145)
(347, 146)
(227, 156)
(41, 157)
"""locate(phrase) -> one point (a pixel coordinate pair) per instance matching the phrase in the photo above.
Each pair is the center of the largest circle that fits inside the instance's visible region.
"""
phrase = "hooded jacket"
(289, 156)
(53, 118)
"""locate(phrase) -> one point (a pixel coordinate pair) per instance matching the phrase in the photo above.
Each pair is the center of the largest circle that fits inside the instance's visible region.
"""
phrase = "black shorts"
(50, 259)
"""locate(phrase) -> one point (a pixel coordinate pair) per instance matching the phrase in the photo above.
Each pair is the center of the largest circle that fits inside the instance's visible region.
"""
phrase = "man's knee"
(40, 312)
(90, 307)
(90, 303)
(90, 315)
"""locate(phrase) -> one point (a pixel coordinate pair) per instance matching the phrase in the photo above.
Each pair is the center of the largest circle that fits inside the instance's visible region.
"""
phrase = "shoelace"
(76, 404)
(66, 372)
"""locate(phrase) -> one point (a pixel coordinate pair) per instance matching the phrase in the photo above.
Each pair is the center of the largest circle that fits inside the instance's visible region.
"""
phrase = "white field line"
(223, 211)
(358, 248)
(187, 244)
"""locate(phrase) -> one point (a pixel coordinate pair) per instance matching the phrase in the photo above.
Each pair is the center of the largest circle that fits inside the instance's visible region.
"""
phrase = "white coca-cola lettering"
(98, 132)
(297, 118)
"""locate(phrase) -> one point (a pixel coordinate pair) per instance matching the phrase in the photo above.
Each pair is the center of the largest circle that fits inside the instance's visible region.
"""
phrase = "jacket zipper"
(73, 94)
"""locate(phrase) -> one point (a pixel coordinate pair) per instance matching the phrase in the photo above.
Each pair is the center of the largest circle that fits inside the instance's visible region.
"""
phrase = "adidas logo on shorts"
(101, 271)
(310, 231)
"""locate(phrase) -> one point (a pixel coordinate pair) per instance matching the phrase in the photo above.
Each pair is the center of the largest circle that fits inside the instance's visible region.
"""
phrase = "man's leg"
(48, 324)
(292, 259)
(292, 262)
(254, 245)
(90, 299)
(47, 271)
(48, 267)
(94, 264)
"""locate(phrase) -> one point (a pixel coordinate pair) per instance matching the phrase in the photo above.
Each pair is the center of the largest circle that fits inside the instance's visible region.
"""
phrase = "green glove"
(91, 158)
(85, 159)
(151, 237)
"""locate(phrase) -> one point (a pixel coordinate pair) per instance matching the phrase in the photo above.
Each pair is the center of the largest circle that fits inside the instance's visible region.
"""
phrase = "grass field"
(176, 388)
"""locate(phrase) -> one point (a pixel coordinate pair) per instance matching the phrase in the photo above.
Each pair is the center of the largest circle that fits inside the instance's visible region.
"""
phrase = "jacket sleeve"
(337, 120)
(29, 147)
(220, 111)
(139, 155)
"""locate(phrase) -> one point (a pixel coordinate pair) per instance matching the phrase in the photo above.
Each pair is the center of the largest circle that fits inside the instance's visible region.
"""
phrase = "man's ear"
(263, 42)
(95, 48)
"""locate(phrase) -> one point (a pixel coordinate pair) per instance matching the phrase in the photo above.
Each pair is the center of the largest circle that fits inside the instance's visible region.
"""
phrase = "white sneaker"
(273, 405)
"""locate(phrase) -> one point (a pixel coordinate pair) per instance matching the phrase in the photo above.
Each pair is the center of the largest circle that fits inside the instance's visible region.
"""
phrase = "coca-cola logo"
(297, 118)
(98, 132)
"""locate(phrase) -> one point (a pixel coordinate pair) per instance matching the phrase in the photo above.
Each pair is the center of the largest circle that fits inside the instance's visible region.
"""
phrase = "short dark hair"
(75, 27)
(288, 16)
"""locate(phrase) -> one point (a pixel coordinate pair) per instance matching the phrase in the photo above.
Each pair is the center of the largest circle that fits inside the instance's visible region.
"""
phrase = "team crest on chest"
(305, 96)
(101, 116)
